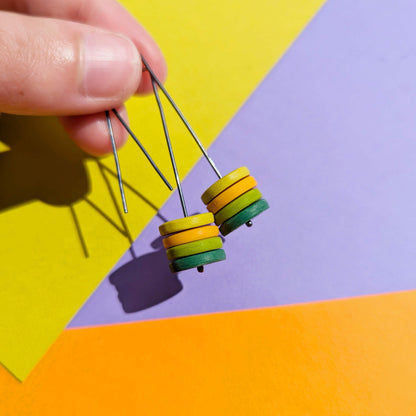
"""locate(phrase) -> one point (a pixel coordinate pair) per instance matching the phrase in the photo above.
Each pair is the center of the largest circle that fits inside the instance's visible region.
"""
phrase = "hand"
(74, 59)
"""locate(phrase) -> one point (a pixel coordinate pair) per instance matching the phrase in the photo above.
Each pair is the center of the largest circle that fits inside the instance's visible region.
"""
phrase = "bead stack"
(234, 200)
(192, 242)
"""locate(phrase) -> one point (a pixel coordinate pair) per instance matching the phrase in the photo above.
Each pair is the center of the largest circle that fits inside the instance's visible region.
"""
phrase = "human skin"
(74, 59)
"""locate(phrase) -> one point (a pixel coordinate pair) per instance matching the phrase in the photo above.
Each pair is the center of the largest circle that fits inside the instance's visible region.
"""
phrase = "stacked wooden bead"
(234, 200)
(192, 242)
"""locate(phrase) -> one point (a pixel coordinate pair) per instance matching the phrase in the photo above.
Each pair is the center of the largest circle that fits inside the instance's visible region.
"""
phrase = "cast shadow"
(42, 163)
(145, 281)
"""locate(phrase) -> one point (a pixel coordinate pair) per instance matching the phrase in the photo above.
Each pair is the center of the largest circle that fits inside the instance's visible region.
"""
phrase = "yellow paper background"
(61, 230)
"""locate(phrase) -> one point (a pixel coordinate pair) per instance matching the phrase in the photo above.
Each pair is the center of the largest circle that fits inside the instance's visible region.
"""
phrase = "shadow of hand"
(42, 163)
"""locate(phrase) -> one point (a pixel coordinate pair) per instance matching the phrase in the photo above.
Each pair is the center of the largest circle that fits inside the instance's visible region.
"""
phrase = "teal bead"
(244, 216)
(196, 260)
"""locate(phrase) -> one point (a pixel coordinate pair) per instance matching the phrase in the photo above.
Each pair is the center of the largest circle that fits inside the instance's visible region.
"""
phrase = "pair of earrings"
(233, 200)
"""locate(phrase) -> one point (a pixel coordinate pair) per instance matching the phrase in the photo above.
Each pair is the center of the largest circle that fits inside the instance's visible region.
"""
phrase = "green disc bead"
(197, 260)
(243, 216)
(194, 247)
(237, 205)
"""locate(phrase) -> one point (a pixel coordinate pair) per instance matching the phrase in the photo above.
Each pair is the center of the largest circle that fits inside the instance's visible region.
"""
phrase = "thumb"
(57, 67)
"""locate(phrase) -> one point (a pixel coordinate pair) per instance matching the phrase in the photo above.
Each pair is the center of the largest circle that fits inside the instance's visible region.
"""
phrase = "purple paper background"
(330, 137)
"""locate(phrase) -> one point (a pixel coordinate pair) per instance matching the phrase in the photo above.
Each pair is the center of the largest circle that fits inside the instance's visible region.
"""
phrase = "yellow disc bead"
(223, 183)
(190, 235)
(231, 193)
(186, 223)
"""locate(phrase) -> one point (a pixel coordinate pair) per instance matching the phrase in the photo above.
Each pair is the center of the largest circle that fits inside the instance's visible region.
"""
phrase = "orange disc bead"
(231, 193)
(193, 234)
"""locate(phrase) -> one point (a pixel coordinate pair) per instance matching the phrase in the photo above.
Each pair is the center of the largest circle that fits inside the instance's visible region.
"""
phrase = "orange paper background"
(348, 357)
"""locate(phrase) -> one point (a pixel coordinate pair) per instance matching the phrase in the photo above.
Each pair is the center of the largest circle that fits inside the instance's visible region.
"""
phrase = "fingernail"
(111, 65)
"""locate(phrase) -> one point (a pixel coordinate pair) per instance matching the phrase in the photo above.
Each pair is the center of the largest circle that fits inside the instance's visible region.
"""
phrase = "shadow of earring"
(145, 281)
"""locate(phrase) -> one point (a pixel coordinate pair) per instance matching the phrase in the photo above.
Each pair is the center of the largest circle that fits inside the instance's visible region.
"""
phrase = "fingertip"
(90, 132)
(110, 65)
